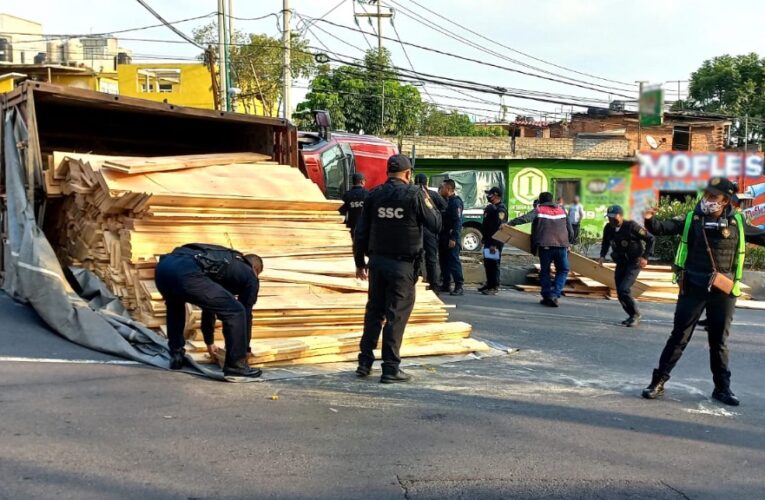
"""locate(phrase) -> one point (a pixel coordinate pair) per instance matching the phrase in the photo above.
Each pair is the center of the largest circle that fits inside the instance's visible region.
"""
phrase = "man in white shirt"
(575, 216)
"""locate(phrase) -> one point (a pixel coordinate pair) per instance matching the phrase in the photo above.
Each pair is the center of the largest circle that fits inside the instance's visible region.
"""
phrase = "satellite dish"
(651, 141)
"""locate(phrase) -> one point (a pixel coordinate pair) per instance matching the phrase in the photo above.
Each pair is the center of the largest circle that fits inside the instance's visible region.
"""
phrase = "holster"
(418, 260)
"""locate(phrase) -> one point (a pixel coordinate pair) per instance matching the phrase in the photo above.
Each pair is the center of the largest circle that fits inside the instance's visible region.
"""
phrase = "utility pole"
(286, 69)
(678, 82)
(640, 129)
(222, 59)
(379, 15)
(230, 24)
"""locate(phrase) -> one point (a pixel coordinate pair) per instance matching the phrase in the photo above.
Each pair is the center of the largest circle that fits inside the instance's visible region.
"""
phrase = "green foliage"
(587, 240)
(732, 85)
(256, 65)
(666, 246)
(755, 258)
(354, 95)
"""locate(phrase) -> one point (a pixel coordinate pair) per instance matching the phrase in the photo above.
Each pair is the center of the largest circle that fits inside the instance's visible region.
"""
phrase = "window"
(335, 172)
(162, 80)
(681, 138)
(165, 87)
(567, 188)
(94, 48)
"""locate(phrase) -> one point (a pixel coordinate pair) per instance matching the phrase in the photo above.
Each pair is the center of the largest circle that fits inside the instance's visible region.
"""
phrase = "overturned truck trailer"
(58, 118)
(37, 119)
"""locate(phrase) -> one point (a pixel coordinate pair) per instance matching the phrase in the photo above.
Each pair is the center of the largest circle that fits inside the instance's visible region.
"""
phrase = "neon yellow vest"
(682, 251)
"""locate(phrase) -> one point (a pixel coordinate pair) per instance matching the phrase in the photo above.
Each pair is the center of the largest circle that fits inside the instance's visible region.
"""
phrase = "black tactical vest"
(625, 246)
(723, 242)
(394, 229)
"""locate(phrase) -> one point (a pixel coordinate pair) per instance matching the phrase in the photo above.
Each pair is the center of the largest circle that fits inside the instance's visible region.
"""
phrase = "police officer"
(450, 239)
(709, 265)
(430, 238)
(494, 215)
(353, 201)
(221, 281)
(631, 245)
(390, 233)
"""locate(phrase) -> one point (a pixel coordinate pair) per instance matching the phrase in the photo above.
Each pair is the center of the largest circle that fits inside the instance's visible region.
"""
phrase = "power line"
(169, 25)
(477, 61)
(444, 31)
(516, 50)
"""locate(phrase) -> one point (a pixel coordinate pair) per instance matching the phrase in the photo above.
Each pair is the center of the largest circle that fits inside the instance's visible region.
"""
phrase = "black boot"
(725, 396)
(395, 377)
(241, 369)
(632, 321)
(177, 357)
(483, 288)
(363, 371)
(656, 389)
(458, 290)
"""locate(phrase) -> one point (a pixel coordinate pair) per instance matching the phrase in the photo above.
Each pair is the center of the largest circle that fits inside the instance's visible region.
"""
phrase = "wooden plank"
(170, 163)
(578, 263)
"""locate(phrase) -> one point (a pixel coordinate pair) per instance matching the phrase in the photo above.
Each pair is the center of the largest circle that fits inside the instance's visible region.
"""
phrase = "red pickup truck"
(330, 159)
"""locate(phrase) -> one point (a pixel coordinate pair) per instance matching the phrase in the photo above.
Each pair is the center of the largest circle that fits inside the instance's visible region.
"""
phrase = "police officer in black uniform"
(449, 241)
(430, 238)
(353, 201)
(709, 265)
(631, 245)
(494, 215)
(221, 281)
(390, 233)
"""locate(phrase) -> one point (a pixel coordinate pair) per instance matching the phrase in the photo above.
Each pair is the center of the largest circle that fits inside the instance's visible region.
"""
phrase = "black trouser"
(451, 266)
(391, 300)
(625, 276)
(180, 281)
(430, 245)
(690, 305)
(492, 268)
(575, 228)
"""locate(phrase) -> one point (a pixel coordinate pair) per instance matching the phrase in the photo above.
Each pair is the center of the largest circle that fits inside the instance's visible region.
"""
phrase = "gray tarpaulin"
(34, 275)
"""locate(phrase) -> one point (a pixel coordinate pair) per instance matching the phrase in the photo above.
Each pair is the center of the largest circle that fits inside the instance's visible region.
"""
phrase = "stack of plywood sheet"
(119, 214)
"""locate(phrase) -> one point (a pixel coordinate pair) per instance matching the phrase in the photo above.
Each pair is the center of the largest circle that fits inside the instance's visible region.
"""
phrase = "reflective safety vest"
(682, 252)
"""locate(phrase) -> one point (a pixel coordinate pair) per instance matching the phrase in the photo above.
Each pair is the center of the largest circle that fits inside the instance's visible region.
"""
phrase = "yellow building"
(82, 78)
(184, 84)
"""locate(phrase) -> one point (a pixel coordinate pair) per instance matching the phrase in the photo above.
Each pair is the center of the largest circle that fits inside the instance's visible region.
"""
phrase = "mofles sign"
(700, 165)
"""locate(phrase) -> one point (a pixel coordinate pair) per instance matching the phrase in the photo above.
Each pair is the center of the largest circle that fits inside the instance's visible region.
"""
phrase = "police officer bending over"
(221, 281)
(626, 239)
(709, 265)
(353, 201)
(390, 232)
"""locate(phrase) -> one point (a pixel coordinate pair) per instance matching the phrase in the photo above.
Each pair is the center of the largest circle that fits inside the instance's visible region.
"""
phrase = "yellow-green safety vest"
(682, 252)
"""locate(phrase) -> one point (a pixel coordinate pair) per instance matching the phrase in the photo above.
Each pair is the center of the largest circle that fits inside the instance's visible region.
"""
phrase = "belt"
(402, 258)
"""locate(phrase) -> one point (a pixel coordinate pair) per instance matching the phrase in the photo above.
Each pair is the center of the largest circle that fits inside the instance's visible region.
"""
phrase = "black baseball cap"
(494, 190)
(399, 163)
(723, 186)
(614, 210)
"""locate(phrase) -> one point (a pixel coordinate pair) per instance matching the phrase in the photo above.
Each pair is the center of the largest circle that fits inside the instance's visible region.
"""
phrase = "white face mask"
(710, 207)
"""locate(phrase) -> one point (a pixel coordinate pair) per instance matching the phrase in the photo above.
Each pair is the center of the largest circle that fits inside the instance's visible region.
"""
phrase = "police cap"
(399, 163)
(614, 210)
(723, 186)
(495, 190)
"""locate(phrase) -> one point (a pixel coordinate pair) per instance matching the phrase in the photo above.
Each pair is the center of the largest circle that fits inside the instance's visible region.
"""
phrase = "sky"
(658, 41)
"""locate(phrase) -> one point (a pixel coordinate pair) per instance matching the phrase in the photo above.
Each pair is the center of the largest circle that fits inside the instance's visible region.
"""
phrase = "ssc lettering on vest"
(357, 204)
(390, 213)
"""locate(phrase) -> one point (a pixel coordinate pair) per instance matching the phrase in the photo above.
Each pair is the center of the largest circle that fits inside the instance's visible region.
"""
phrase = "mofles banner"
(658, 174)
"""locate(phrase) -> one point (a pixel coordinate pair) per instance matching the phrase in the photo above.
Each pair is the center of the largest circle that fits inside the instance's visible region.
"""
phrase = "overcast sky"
(622, 40)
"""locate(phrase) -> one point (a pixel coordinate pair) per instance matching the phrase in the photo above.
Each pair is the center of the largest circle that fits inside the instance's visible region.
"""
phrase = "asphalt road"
(560, 418)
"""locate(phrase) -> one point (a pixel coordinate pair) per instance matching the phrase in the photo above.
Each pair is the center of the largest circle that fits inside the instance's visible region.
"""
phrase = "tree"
(366, 97)
(256, 65)
(732, 85)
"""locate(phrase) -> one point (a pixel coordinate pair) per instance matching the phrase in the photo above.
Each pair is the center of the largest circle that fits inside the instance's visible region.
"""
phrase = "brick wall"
(525, 147)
